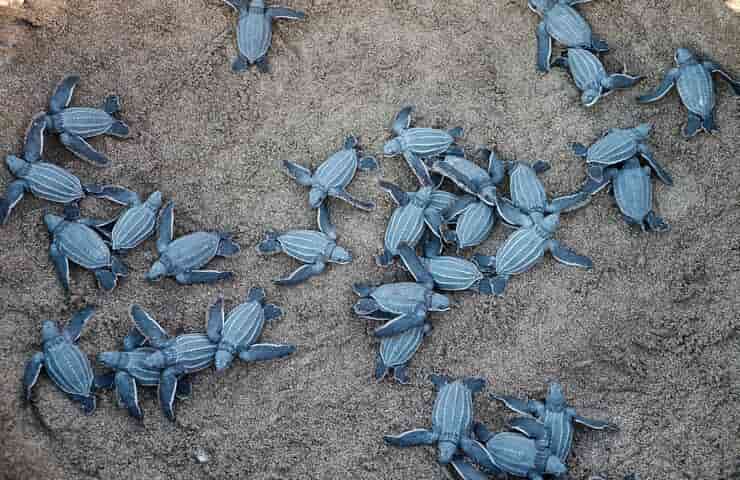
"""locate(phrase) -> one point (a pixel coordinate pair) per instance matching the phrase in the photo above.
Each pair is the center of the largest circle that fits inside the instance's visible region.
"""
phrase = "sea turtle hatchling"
(183, 257)
(473, 220)
(633, 192)
(76, 242)
(174, 357)
(561, 22)
(254, 31)
(415, 210)
(591, 77)
(75, 124)
(471, 178)
(46, 180)
(693, 78)
(66, 365)
(332, 177)
(526, 246)
(452, 419)
(616, 146)
(313, 248)
(555, 415)
(395, 353)
(417, 145)
(238, 333)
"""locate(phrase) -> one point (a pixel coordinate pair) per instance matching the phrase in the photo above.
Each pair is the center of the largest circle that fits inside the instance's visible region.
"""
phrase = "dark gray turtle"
(515, 454)
(396, 352)
(137, 223)
(420, 144)
(696, 88)
(471, 178)
(65, 363)
(556, 416)
(528, 194)
(591, 77)
(183, 257)
(75, 124)
(633, 192)
(131, 370)
(238, 333)
(76, 242)
(562, 23)
(415, 209)
(254, 31)
(48, 181)
(618, 145)
(313, 248)
(452, 419)
(174, 357)
(526, 246)
(333, 176)
(473, 219)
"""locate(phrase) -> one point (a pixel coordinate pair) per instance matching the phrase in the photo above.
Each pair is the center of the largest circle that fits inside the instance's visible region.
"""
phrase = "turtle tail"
(118, 267)
(270, 244)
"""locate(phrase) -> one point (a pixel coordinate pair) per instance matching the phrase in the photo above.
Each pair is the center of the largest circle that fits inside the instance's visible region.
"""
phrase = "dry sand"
(648, 339)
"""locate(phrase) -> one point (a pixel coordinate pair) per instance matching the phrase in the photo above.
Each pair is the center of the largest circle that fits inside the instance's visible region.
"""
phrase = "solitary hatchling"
(591, 77)
(75, 124)
(418, 145)
(66, 365)
(332, 177)
(693, 78)
(556, 416)
(452, 419)
(238, 333)
(395, 353)
(183, 257)
(254, 31)
(617, 146)
(562, 23)
(313, 248)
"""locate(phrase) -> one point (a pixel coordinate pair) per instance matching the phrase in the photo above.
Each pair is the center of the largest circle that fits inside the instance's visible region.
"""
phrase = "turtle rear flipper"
(270, 245)
(499, 283)
(202, 276)
(599, 45)
(579, 149)
(87, 402)
(708, 123)
(266, 351)
(367, 164)
(83, 150)
(271, 312)
(227, 247)
(119, 129)
(655, 223)
(112, 104)
(13, 195)
(381, 369)
(465, 470)
(544, 48)
(693, 125)
(240, 64)
(118, 267)
(361, 289)
(106, 279)
(301, 274)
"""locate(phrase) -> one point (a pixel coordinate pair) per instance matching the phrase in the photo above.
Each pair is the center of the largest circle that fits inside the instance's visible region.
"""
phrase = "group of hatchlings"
(427, 219)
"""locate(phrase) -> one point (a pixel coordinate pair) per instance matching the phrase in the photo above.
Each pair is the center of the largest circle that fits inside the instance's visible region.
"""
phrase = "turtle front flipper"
(400, 324)
(33, 147)
(299, 173)
(595, 424)
(419, 168)
(235, 4)
(346, 197)
(510, 214)
(621, 81)
(215, 320)
(323, 219)
(133, 339)
(365, 306)
(282, 13)
(266, 351)
(567, 257)
(399, 196)
(522, 407)
(568, 203)
(599, 45)
(661, 172)
(479, 454)
(465, 470)
(128, 394)
(411, 438)
(63, 92)
(662, 90)
(301, 274)
(168, 391)
(61, 265)
(73, 330)
(414, 265)
(270, 244)
(166, 226)
(114, 193)
(154, 333)
(13, 195)
(579, 149)
(527, 426)
(593, 186)
(32, 372)
(544, 48)
(202, 276)
(717, 68)
(83, 150)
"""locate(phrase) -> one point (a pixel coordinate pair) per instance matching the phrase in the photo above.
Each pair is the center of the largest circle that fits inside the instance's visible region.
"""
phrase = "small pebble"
(201, 456)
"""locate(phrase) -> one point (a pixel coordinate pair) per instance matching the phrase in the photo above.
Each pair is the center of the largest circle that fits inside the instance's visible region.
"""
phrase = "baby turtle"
(633, 192)
(48, 181)
(183, 257)
(75, 124)
(591, 77)
(415, 209)
(556, 416)
(419, 144)
(254, 31)
(396, 352)
(561, 22)
(526, 246)
(131, 370)
(617, 146)
(473, 221)
(333, 176)
(528, 194)
(238, 333)
(452, 419)
(174, 357)
(137, 223)
(76, 242)
(65, 363)
(471, 178)
(696, 89)
(515, 454)
(314, 249)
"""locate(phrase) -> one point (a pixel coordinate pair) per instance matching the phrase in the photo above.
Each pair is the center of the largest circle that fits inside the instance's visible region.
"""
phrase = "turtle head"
(316, 196)
(590, 96)
(392, 147)
(157, 359)
(439, 303)
(49, 330)
(257, 3)
(643, 130)
(684, 56)
(551, 223)
(52, 221)
(340, 255)
(489, 194)
(555, 399)
(223, 360)
(110, 359)
(555, 467)
(15, 164)
(154, 201)
(447, 450)
(539, 6)
(157, 271)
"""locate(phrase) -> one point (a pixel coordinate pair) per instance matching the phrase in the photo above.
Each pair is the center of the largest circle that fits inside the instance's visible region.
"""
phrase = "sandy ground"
(648, 339)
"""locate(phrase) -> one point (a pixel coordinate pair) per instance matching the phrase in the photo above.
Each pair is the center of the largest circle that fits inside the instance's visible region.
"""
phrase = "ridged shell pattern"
(567, 26)
(191, 251)
(254, 33)
(400, 297)
(522, 250)
(305, 245)
(68, 367)
(453, 412)
(696, 88)
(52, 183)
(83, 121)
(397, 350)
(81, 245)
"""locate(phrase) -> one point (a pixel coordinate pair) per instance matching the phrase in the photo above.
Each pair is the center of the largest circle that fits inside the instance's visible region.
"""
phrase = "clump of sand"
(734, 5)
